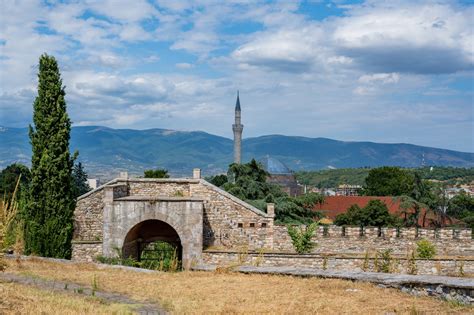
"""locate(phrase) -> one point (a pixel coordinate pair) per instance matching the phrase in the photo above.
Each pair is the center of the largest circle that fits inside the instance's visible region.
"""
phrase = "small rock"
(352, 290)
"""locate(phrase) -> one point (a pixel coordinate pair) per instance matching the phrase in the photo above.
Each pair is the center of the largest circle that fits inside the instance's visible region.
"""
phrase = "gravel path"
(77, 289)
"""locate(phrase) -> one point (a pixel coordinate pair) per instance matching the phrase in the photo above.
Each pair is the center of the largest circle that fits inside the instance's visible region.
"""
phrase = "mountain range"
(106, 151)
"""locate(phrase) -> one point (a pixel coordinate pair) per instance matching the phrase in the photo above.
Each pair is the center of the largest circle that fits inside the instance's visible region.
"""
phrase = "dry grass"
(201, 292)
(21, 299)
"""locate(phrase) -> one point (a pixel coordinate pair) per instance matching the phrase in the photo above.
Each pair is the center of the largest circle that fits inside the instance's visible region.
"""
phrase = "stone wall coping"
(158, 198)
(235, 199)
(121, 181)
(331, 255)
(87, 194)
(389, 279)
(117, 185)
(159, 180)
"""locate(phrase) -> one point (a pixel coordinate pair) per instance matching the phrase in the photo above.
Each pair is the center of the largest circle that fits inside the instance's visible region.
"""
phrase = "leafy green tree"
(461, 207)
(249, 182)
(353, 216)
(158, 173)
(375, 213)
(217, 180)
(79, 176)
(9, 177)
(388, 181)
(48, 214)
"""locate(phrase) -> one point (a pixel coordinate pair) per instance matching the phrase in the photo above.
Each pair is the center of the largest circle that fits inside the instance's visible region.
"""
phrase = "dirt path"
(77, 289)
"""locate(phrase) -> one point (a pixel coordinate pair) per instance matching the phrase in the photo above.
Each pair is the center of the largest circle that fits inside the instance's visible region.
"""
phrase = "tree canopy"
(388, 181)
(249, 182)
(9, 177)
(157, 173)
(375, 213)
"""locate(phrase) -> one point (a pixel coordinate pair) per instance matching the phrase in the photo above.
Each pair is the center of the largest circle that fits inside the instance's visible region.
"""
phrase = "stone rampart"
(356, 240)
(447, 266)
(228, 223)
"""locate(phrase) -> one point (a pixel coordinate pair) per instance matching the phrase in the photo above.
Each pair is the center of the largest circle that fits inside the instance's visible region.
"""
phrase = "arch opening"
(154, 244)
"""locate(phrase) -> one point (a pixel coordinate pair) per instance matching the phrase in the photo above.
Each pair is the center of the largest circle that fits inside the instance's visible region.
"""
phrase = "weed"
(461, 269)
(243, 254)
(259, 259)
(411, 264)
(95, 285)
(384, 261)
(325, 262)
(8, 211)
(365, 265)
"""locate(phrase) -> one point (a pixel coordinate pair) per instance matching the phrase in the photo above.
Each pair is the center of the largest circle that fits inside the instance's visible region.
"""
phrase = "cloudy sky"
(394, 71)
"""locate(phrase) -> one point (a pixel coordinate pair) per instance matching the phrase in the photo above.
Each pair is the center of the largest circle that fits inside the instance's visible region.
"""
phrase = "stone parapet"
(447, 266)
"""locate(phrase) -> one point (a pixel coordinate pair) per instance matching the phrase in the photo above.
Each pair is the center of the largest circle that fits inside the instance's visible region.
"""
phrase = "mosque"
(278, 172)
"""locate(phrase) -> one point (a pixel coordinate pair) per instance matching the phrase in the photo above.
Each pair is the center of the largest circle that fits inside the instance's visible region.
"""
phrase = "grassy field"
(206, 292)
(23, 299)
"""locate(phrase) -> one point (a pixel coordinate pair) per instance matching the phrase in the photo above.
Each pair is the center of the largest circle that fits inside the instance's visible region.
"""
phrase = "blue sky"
(383, 71)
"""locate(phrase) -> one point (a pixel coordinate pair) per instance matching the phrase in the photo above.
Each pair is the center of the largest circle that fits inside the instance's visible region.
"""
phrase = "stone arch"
(183, 216)
(148, 231)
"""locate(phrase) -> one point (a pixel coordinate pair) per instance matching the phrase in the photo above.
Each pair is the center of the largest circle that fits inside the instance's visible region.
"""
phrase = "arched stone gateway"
(147, 232)
(189, 213)
(181, 218)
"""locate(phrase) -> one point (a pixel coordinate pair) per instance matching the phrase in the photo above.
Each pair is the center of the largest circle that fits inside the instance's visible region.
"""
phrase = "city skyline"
(392, 72)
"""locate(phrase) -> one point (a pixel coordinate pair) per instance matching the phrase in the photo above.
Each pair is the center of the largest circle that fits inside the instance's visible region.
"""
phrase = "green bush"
(425, 249)
(301, 238)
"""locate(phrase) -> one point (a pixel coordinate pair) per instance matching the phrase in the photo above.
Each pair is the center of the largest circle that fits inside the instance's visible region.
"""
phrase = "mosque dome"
(275, 166)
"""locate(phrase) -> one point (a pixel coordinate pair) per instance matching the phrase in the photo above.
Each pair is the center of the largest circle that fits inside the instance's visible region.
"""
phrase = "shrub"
(301, 237)
(8, 211)
(425, 249)
(384, 261)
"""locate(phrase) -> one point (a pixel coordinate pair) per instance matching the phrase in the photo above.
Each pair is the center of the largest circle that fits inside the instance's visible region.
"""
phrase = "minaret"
(237, 128)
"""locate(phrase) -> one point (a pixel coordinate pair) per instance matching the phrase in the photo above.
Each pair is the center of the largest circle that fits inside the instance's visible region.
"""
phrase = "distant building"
(454, 191)
(281, 175)
(93, 183)
(348, 190)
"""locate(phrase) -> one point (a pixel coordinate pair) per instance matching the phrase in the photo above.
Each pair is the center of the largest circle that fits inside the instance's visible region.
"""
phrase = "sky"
(382, 71)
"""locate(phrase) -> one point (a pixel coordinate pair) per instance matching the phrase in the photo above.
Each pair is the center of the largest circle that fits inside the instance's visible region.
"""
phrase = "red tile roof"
(334, 205)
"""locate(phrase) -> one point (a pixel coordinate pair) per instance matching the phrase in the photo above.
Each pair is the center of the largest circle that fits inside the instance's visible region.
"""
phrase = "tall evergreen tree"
(49, 211)
(79, 176)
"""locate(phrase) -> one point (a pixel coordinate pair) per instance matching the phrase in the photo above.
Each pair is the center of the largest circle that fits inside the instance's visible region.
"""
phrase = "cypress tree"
(49, 211)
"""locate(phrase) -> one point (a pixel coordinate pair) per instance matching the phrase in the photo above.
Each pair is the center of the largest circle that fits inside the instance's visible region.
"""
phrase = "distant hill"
(104, 151)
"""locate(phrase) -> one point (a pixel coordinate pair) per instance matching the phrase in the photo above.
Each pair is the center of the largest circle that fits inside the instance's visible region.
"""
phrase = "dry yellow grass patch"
(202, 292)
(21, 299)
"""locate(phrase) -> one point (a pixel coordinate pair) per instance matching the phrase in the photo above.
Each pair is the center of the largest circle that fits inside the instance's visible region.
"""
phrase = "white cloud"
(184, 65)
(383, 78)
(295, 50)
(408, 37)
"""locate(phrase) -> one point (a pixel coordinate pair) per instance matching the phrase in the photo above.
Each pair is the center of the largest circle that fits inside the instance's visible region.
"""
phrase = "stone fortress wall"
(227, 221)
(231, 227)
